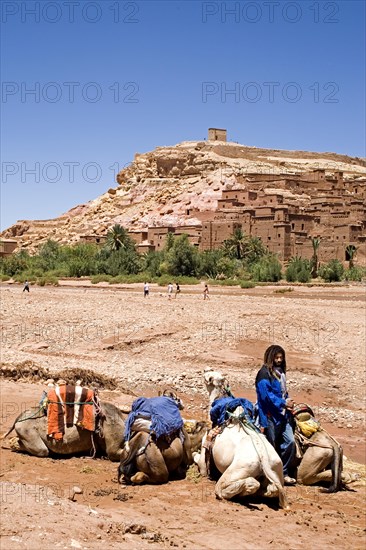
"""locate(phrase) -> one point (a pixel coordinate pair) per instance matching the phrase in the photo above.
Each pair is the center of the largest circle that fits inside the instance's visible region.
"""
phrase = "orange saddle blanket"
(69, 406)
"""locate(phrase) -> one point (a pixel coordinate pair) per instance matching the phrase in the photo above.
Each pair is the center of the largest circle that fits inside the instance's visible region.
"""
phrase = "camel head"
(216, 384)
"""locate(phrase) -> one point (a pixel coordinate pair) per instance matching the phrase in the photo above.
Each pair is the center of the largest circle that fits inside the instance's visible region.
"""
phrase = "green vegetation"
(247, 284)
(355, 274)
(243, 247)
(223, 282)
(268, 268)
(299, 270)
(241, 261)
(283, 290)
(333, 271)
(118, 238)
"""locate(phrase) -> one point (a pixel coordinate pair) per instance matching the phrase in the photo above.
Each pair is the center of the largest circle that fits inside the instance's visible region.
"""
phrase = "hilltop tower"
(217, 134)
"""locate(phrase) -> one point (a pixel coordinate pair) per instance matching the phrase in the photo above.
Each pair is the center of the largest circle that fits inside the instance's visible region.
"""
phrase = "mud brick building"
(7, 246)
(217, 134)
(285, 211)
(154, 238)
(93, 239)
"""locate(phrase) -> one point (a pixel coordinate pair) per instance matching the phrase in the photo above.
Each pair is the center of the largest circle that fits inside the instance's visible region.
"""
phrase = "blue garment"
(274, 417)
(282, 438)
(163, 412)
(269, 398)
(220, 407)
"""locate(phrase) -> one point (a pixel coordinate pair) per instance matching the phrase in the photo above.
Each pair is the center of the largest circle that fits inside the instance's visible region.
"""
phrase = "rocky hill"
(170, 185)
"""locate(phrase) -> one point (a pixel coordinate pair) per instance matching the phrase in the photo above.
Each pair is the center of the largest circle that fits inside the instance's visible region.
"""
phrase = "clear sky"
(87, 84)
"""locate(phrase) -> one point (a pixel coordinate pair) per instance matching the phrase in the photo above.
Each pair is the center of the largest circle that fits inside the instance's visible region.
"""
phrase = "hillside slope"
(164, 186)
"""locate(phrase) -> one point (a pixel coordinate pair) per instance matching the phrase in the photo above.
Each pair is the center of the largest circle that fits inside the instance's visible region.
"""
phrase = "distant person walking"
(206, 294)
(26, 286)
(146, 290)
(170, 291)
(177, 289)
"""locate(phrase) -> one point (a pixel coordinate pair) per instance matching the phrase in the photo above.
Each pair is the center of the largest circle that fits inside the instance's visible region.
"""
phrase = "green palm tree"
(117, 238)
(351, 251)
(254, 249)
(315, 241)
(235, 246)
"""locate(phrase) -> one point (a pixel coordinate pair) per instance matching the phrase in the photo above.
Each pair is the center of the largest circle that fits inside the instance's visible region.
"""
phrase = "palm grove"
(242, 260)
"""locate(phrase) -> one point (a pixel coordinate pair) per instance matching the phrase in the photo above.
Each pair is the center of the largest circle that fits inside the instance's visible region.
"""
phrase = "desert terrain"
(137, 346)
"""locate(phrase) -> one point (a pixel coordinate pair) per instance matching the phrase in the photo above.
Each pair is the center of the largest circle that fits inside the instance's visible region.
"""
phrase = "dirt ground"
(143, 345)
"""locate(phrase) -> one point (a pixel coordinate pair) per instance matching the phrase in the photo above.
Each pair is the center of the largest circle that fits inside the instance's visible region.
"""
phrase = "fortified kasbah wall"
(208, 189)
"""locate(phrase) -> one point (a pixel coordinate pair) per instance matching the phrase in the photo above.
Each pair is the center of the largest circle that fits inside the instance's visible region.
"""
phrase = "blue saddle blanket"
(162, 411)
(220, 408)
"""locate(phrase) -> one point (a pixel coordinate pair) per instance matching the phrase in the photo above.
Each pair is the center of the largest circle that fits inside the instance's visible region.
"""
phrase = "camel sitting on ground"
(31, 430)
(322, 452)
(148, 458)
(147, 461)
(322, 455)
(247, 461)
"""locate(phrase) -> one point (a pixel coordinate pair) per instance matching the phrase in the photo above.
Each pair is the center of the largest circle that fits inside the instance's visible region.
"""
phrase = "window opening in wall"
(347, 252)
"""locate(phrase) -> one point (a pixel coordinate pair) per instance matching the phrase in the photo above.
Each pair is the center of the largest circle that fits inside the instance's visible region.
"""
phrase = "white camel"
(247, 461)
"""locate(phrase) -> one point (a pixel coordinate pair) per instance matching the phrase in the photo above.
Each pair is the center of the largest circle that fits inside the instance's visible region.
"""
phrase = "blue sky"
(111, 78)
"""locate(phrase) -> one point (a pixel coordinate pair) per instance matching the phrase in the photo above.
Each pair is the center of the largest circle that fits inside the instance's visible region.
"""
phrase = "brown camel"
(31, 430)
(145, 460)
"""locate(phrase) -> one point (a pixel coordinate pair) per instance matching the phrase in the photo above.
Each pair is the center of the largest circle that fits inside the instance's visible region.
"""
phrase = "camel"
(145, 460)
(31, 430)
(247, 462)
(322, 456)
(196, 431)
(323, 451)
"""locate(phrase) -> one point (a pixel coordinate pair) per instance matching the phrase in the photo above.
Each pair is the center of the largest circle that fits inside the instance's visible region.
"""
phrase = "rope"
(321, 429)
(307, 442)
(227, 390)
(244, 423)
(246, 426)
(143, 449)
(260, 457)
(243, 418)
(93, 445)
(253, 440)
(32, 417)
(97, 405)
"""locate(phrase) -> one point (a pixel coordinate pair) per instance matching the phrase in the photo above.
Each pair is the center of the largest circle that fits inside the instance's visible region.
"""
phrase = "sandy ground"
(149, 344)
